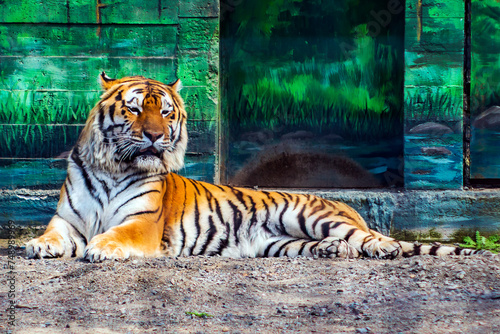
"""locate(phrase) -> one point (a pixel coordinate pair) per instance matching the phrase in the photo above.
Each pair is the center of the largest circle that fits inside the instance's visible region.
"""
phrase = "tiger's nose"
(153, 135)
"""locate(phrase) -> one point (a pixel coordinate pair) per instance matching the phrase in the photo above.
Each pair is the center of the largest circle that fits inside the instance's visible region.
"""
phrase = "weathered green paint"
(83, 40)
(433, 103)
(124, 12)
(51, 11)
(485, 90)
(428, 69)
(73, 106)
(40, 174)
(199, 8)
(32, 207)
(198, 62)
(46, 107)
(51, 141)
(106, 11)
(201, 137)
(46, 174)
(438, 36)
(197, 34)
(434, 44)
(78, 73)
(37, 141)
(51, 53)
(436, 8)
(92, 11)
(193, 67)
(200, 103)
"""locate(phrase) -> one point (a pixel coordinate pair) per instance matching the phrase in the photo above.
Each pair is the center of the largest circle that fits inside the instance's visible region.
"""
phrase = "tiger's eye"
(134, 110)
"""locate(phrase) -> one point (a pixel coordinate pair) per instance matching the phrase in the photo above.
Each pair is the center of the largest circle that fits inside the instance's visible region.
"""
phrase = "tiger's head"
(138, 124)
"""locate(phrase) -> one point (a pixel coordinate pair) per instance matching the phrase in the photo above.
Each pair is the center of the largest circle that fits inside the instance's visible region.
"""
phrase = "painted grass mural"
(321, 76)
(485, 90)
(433, 97)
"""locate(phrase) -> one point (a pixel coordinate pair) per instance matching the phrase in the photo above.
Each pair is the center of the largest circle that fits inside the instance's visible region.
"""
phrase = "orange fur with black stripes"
(121, 197)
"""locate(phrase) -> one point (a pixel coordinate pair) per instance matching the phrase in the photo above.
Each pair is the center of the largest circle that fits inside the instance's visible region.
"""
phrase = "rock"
(246, 146)
(431, 128)
(298, 135)
(489, 119)
(434, 150)
(332, 138)
(260, 137)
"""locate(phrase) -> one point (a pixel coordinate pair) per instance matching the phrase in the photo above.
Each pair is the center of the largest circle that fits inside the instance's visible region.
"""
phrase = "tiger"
(122, 198)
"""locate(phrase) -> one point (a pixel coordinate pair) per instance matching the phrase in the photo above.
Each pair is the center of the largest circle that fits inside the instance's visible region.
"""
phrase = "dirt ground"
(272, 295)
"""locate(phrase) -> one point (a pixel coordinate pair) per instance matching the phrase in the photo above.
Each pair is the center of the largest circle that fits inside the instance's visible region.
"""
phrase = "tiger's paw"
(332, 247)
(102, 247)
(46, 246)
(386, 250)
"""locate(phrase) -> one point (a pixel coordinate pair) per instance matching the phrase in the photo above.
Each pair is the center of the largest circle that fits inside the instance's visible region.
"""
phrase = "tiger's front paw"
(333, 247)
(103, 247)
(387, 250)
(46, 246)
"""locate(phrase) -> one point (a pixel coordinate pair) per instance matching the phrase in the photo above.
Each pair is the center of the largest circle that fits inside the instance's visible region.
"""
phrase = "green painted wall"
(434, 58)
(321, 81)
(51, 53)
(485, 90)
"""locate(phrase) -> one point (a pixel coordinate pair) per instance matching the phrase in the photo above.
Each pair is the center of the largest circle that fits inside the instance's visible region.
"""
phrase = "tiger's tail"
(413, 249)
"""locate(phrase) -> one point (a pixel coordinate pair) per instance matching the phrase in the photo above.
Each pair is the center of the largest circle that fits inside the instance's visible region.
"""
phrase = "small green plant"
(492, 243)
(200, 315)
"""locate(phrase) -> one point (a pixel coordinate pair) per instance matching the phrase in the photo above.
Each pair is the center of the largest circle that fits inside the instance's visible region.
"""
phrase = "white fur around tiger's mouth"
(149, 161)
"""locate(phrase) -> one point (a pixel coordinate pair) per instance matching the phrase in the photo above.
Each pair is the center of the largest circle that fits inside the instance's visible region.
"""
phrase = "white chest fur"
(93, 202)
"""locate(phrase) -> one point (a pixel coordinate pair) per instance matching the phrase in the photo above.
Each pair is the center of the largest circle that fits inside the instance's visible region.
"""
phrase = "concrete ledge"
(425, 215)
(409, 215)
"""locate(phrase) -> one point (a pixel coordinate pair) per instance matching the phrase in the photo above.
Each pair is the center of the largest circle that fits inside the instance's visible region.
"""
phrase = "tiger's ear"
(177, 86)
(106, 82)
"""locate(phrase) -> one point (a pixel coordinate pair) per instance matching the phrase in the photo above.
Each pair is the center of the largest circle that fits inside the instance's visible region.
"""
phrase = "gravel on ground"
(422, 294)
